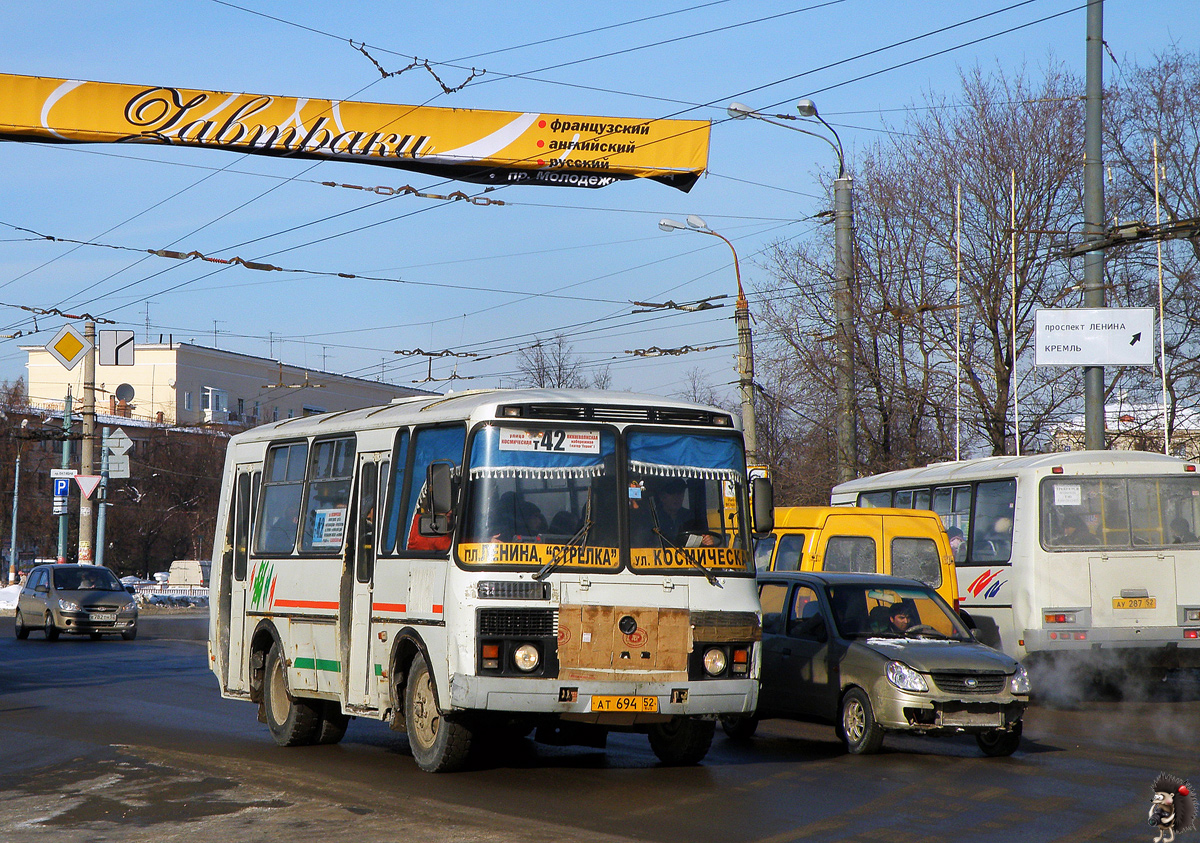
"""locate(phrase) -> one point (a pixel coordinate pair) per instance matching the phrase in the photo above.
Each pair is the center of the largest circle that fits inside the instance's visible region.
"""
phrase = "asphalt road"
(129, 741)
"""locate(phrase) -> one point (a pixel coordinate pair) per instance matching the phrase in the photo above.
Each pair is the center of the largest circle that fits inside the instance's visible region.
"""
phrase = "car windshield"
(866, 610)
(86, 579)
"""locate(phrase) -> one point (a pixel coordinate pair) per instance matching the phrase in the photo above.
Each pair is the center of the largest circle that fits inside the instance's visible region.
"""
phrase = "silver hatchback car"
(872, 654)
(77, 599)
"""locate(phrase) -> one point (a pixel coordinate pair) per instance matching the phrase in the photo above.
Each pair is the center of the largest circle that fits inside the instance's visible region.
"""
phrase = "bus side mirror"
(762, 494)
(439, 520)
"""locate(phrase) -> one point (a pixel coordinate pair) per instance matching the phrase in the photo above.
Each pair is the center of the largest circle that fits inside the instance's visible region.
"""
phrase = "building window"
(187, 401)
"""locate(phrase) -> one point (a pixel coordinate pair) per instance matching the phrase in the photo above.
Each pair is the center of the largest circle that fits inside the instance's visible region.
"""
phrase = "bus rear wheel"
(332, 727)
(682, 741)
(292, 721)
(439, 744)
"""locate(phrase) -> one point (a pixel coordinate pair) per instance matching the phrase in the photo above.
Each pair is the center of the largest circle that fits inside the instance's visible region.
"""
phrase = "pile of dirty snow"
(8, 597)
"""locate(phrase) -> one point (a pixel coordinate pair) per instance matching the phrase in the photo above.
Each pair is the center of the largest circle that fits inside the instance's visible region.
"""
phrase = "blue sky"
(601, 248)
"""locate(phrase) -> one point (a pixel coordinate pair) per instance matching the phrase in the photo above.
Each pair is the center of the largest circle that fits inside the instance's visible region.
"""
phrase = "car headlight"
(714, 661)
(905, 678)
(526, 657)
(68, 605)
(1019, 683)
(128, 609)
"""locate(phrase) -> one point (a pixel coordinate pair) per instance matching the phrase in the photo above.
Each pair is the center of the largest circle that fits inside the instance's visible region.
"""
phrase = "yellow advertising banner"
(485, 147)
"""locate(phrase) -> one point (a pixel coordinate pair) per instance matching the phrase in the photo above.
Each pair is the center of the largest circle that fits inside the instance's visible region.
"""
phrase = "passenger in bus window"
(676, 521)
(531, 523)
(1182, 534)
(1075, 532)
(957, 543)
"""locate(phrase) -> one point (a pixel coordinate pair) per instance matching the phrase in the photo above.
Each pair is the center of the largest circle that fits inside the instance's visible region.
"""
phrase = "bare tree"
(553, 364)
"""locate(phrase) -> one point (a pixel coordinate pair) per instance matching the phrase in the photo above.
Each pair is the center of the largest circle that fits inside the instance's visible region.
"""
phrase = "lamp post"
(843, 216)
(745, 344)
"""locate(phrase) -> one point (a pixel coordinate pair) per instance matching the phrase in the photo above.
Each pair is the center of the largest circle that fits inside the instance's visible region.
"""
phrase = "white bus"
(570, 561)
(1080, 554)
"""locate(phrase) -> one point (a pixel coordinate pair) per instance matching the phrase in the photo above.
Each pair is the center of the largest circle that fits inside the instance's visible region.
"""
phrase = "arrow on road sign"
(87, 483)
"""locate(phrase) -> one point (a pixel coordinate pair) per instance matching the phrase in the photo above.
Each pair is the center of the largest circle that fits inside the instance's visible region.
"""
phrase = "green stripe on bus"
(379, 670)
(318, 664)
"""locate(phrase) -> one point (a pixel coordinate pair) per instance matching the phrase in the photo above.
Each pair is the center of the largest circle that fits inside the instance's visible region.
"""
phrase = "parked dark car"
(76, 599)
(873, 654)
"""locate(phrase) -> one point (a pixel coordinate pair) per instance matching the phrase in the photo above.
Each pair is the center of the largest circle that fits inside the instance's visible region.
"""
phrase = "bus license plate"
(1134, 602)
(624, 703)
(103, 617)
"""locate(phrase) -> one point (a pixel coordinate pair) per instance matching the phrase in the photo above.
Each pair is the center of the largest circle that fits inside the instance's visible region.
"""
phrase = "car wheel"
(859, 731)
(999, 743)
(50, 629)
(19, 627)
(292, 721)
(739, 727)
(438, 743)
(129, 634)
(682, 741)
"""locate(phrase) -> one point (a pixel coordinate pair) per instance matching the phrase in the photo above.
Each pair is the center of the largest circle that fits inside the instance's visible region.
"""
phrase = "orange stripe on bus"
(390, 607)
(305, 604)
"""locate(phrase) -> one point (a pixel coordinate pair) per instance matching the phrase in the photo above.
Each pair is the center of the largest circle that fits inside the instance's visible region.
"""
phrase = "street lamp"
(745, 344)
(843, 214)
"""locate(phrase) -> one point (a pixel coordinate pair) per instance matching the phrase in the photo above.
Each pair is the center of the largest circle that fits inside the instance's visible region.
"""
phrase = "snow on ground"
(8, 597)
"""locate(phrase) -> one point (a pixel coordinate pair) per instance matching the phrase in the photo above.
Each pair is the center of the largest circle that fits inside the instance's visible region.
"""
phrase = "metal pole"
(86, 529)
(847, 436)
(63, 527)
(12, 549)
(1093, 219)
(102, 496)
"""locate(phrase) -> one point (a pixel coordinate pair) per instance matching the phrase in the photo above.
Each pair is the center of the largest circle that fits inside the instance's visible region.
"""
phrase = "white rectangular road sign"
(118, 466)
(1095, 336)
(63, 472)
(116, 348)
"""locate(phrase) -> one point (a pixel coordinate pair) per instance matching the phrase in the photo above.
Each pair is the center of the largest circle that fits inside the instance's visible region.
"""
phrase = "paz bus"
(570, 562)
(1089, 554)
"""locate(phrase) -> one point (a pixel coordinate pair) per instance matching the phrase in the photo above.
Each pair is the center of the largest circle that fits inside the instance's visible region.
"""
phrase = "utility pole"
(1093, 218)
(102, 496)
(12, 550)
(843, 224)
(66, 463)
(86, 523)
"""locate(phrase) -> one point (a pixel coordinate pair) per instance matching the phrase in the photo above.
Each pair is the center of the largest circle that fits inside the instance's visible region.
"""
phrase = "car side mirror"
(439, 520)
(762, 494)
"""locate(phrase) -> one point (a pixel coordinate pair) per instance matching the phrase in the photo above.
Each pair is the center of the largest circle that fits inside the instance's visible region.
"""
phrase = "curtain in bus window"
(791, 548)
(855, 554)
(992, 528)
(395, 494)
(1082, 512)
(431, 444)
(917, 559)
(330, 470)
(282, 494)
(552, 485)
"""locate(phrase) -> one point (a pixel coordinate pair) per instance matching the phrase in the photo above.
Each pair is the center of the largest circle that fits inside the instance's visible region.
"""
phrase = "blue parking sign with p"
(62, 486)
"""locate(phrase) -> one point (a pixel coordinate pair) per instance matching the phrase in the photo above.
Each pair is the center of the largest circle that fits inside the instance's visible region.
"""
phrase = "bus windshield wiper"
(666, 542)
(577, 540)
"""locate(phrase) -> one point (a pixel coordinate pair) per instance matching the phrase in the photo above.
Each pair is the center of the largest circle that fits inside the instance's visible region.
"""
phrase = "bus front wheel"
(682, 741)
(439, 744)
(293, 722)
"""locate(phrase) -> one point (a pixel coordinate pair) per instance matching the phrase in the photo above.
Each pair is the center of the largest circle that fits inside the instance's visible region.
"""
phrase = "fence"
(164, 590)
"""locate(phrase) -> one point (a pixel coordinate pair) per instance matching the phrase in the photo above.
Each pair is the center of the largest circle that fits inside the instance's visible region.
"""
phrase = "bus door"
(233, 624)
(358, 576)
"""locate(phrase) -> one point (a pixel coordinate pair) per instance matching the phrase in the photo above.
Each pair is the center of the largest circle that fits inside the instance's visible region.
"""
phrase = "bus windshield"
(686, 501)
(1119, 512)
(539, 497)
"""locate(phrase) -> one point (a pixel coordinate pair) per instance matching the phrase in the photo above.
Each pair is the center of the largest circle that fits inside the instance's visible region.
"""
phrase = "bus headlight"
(1019, 684)
(526, 657)
(714, 661)
(905, 678)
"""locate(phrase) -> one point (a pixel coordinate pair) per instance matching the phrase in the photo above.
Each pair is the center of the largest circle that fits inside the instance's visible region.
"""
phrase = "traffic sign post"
(1097, 336)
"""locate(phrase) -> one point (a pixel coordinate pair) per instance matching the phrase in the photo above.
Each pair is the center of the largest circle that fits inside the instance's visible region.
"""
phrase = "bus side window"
(992, 525)
(875, 499)
(791, 549)
(442, 444)
(920, 499)
(239, 521)
(367, 496)
(855, 554)
(393, 513)
(330, 470)
(903, 499)
(282, 494)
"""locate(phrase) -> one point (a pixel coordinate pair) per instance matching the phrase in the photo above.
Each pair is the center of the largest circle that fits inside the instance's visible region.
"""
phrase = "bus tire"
(332, 727)
(857, 726)
(439, 744)
(739, 727)
(292, 721)
(682, 741)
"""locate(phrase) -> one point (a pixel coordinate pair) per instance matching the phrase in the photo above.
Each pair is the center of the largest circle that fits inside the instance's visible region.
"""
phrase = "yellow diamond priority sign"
(69, 346)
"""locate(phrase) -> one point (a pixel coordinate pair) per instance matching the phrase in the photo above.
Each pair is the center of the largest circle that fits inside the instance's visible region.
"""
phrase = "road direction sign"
(60, 505)
(116, 348)
(87, 483)
(69, 346)
(119, 442)
(118, 466)
(63, 472)
(62, 486)
(1095, 336)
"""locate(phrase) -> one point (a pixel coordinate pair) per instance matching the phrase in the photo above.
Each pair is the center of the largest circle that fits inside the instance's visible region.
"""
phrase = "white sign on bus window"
(556, 440)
